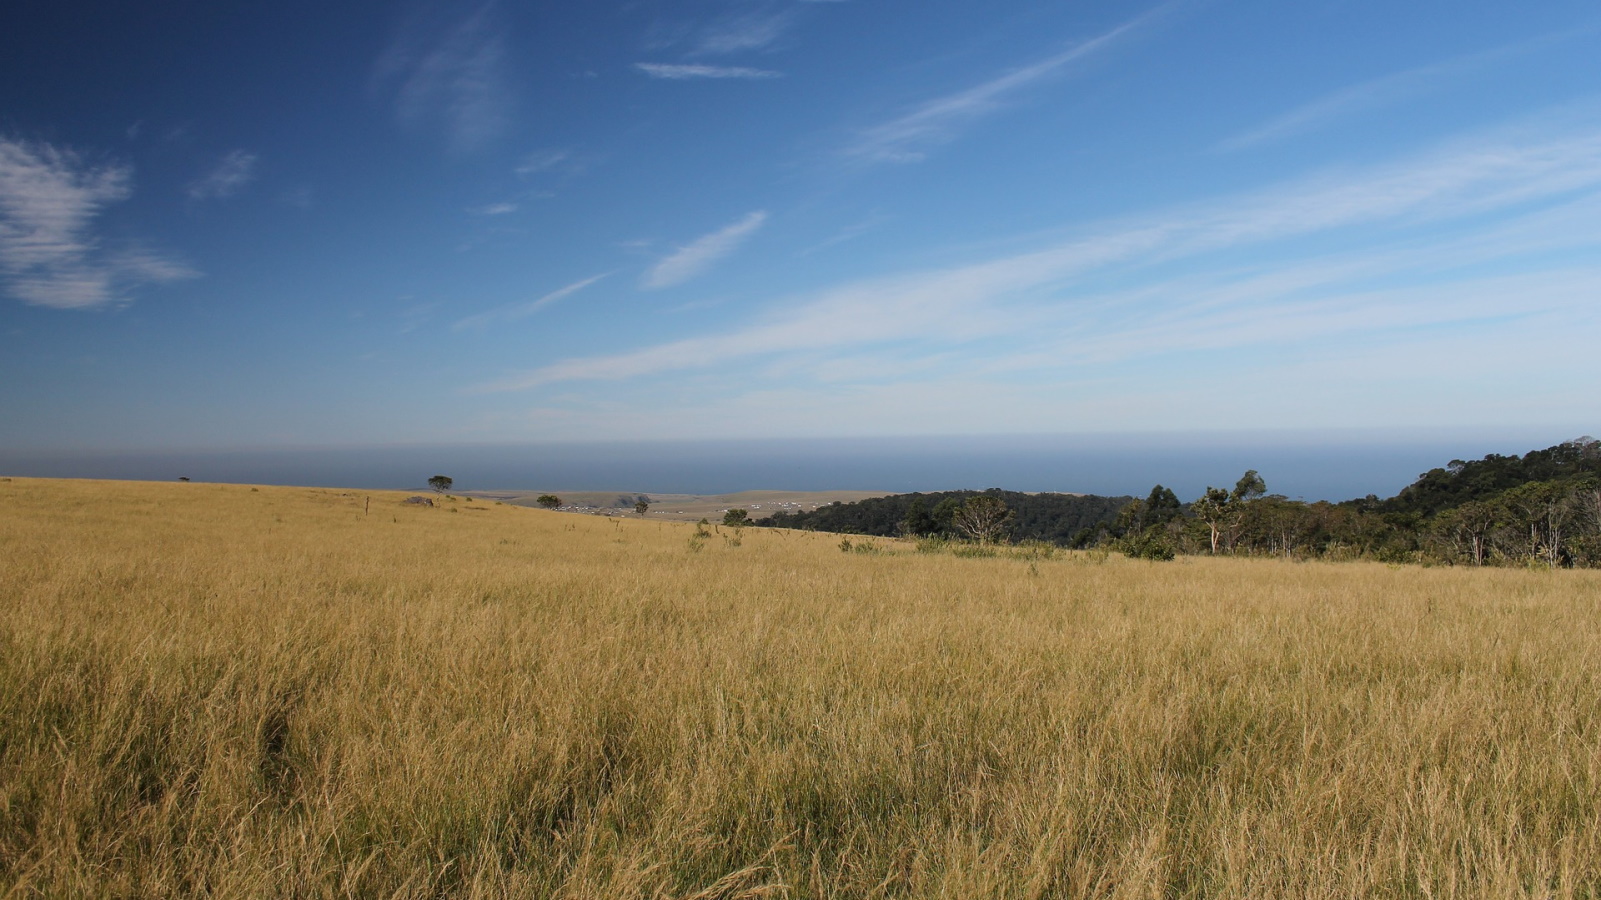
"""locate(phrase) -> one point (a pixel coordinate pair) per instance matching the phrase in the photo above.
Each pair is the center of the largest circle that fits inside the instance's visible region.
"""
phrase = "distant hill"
(1460, 482)
(1540, 508)
(1057, 518)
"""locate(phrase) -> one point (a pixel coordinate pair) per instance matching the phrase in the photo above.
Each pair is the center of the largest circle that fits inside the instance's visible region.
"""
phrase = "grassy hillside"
(236, 692)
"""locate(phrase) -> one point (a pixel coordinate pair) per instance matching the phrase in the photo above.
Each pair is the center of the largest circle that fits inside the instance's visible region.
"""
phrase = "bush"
(1148, 545)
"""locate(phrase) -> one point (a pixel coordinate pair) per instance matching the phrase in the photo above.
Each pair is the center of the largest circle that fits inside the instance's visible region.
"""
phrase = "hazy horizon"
(1306, 465)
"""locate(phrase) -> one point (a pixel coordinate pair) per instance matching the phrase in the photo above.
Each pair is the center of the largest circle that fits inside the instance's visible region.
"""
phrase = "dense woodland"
(1543, 508)
(1063, 519)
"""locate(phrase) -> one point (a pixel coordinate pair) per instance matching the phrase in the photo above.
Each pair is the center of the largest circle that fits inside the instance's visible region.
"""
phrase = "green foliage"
(549, 501)
(1460, 482)
(1215, 510)
(1059, 519)
(1150, 544)
(1491, 512)
(918, 522)
(441, 483)
(1160, 508)
(1249, 487)
(737, 518)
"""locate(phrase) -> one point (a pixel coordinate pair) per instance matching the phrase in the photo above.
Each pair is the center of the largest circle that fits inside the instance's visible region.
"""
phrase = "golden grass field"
(687, 507)
(234, 692)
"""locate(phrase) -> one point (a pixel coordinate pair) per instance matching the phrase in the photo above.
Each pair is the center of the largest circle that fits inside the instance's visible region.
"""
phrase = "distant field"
(684, 507)
(227, 691)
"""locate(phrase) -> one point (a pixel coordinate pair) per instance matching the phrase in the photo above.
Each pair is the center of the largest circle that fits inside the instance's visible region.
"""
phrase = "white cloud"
(226, 179)
(744, 32)
(848, 233)
(906, 137)
(523, 310)
(686, 72)
(448, 76)
(699, 255)
(1028, 296)
(49, 253)
(541, 161)
(1389, 90)
(495, 209)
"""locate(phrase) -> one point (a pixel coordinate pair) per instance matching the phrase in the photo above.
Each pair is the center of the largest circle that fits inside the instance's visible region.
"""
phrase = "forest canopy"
(1542, 508)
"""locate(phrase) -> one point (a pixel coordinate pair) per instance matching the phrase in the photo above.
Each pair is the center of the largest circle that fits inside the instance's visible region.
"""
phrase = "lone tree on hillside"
(982, 518)
(441, 483)
(549, 501)
(736, 518)
(641, 505)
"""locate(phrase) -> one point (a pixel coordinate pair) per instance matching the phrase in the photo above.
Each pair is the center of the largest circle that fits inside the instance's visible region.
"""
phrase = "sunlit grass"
(237, 692)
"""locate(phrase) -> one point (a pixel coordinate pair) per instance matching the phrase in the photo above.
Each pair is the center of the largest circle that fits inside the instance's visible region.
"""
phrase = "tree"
(549, 501)
(1282, 523)
(917, 522)
(1242, 503)
(736, 518)
(1215, 508)
(1249, 487)
(641, 505)
(1469, 528)
(1542, 513)
(441, 483)
(982, 518)
(1160, 508)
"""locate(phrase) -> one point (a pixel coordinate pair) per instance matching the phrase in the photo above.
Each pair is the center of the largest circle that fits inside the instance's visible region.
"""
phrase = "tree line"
(1543, 508)
(1062, 519)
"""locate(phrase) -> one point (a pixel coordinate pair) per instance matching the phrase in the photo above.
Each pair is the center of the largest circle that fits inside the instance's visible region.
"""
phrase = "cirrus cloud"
(700, 254)
(226, 179)
(50, 255)
(673, 72)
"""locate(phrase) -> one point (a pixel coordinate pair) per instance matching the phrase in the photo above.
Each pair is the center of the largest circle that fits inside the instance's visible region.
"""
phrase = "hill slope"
(210, 690)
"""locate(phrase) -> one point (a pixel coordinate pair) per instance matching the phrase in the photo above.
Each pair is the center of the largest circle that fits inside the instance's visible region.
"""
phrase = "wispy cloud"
(907, 137)
(49, 253)
(745, 31)
(542, 161)
(848, 233)
(1026, 296)
(1378, 93)
(227, 178)
(495, 209)
(448, 77)
(523, 310)
(685, 72)
(697, 256)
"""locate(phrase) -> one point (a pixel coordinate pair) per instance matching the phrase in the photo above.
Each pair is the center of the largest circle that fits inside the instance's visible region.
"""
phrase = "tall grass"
(223, 691)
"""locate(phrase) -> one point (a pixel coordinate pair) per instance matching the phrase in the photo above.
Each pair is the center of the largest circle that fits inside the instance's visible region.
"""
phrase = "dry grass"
(214, 690)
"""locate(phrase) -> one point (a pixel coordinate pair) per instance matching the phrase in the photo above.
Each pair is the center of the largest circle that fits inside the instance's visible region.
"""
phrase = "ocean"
(1334, 465)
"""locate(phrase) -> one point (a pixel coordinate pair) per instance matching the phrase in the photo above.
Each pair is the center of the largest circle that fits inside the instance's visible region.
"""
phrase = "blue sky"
(297, 225)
